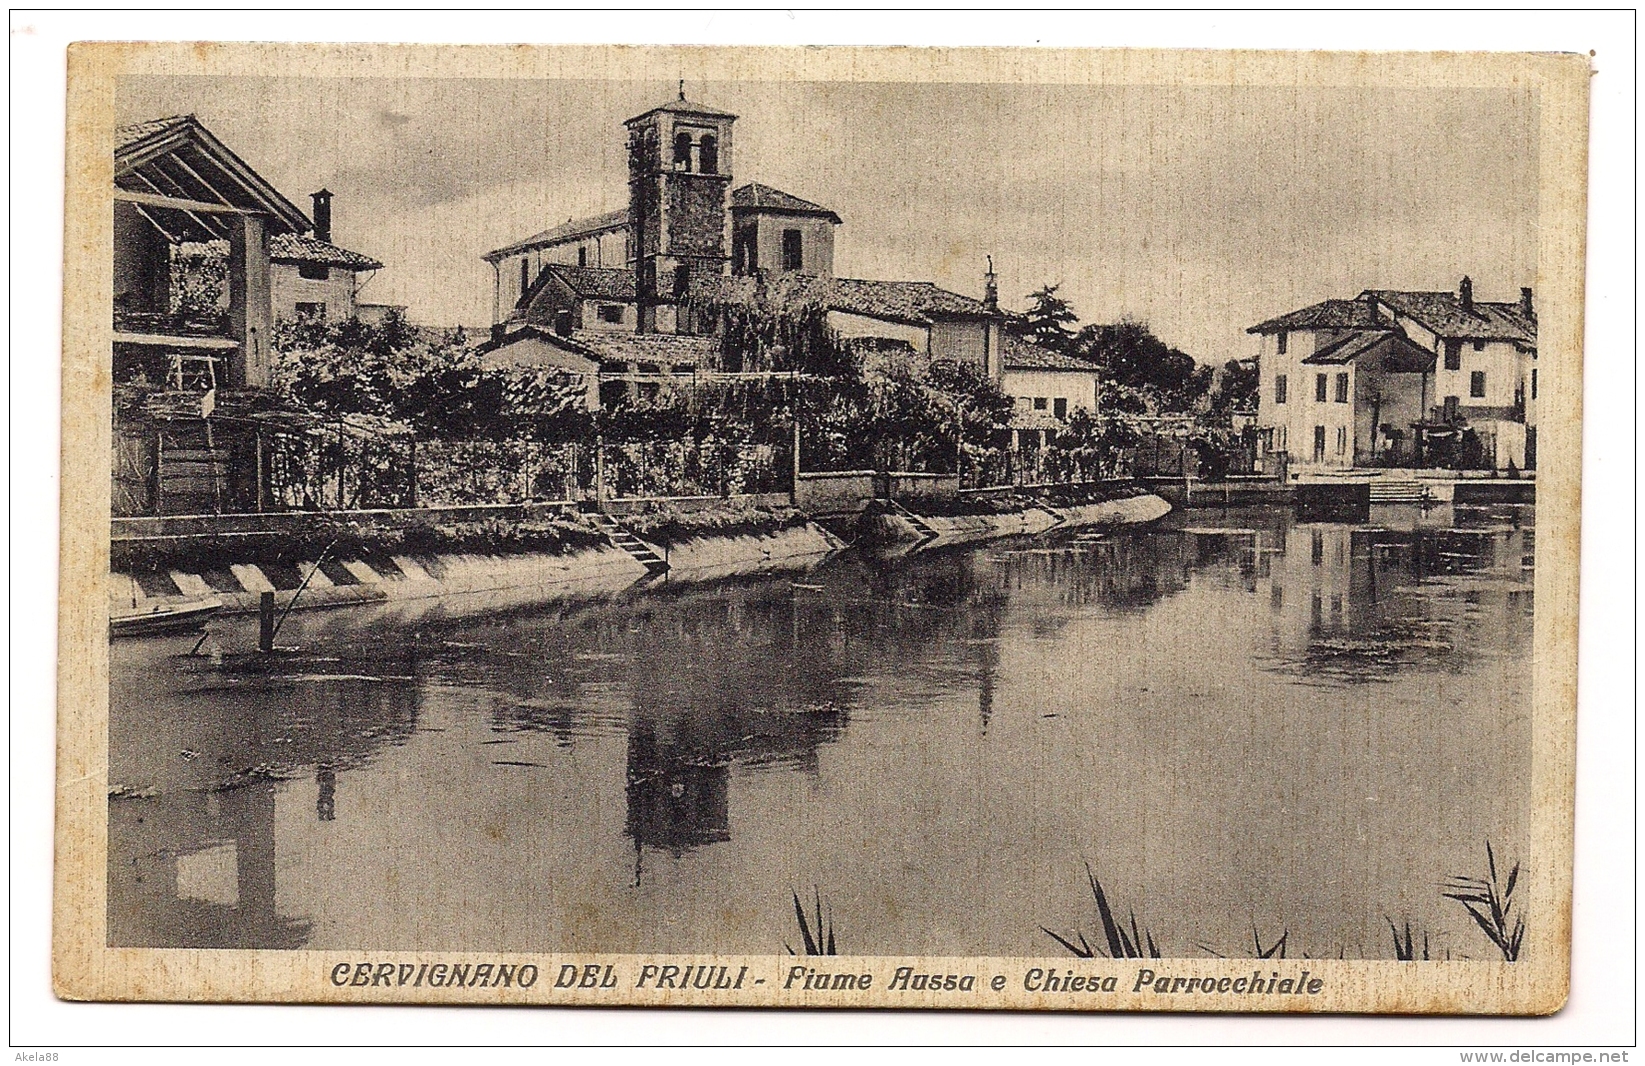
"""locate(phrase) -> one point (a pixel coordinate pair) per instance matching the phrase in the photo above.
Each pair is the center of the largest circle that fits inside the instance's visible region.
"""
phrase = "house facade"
(312, 278)
(1399, 379)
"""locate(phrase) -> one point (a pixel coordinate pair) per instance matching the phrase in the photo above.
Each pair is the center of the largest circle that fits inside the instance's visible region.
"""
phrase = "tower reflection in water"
(199, 754)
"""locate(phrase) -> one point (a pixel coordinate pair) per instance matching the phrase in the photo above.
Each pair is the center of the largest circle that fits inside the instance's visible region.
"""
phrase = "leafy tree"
(1236, 386)
(1048, 320)
(1131, 356)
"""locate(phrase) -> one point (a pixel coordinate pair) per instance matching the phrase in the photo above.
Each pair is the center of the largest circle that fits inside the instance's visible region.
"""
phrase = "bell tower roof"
(682, 106)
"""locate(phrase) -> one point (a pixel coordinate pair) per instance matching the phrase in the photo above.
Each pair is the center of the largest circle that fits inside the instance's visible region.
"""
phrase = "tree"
(1236, 386)
(1131, 356)
(1048, 320)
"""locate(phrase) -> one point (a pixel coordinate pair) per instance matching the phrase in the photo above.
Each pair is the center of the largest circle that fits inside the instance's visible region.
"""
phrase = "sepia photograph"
(743, 527)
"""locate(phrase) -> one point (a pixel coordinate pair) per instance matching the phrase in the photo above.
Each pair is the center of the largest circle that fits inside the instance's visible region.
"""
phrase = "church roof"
(911, 302)
(294, 248)
(597, 283)
(682, 106)
(574, 229)
(757, 197)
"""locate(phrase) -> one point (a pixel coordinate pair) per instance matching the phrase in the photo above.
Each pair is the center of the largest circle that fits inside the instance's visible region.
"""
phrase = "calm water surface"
(1237, 719)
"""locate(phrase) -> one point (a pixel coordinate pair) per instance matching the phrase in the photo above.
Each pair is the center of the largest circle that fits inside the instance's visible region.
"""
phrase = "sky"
(1199, 211)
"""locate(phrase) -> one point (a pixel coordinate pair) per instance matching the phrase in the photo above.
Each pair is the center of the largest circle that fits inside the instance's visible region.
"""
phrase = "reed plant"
(1489, 901)
(1121, 943)
(817, 932)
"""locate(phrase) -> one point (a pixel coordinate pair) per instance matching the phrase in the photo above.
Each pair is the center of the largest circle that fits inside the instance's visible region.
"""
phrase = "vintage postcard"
(1025, 529)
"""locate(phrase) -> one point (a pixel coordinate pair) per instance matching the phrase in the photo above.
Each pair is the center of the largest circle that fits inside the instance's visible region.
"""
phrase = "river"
(1247, 726)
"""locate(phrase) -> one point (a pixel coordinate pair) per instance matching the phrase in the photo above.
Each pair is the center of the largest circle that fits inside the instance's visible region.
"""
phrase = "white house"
(1395, 378)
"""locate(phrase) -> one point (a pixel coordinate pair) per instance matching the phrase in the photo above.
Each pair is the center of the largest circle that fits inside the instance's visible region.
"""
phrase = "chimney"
(322, 215)
(991, 288)
(1465, 293)
(1526, 307)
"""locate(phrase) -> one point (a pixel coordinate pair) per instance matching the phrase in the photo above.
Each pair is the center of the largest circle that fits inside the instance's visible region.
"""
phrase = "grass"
(818, 938)
(1489, 901)
(1122, 943)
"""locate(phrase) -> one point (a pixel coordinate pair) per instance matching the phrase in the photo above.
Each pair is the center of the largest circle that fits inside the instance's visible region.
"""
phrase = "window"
(1039, 403)
(793, 259)
(1280, 340)
(682, 151)
(708, 155)
(1059, 407)
(314, 271)
(525, 275)
(1479, 346)
(1342, 440)
(312, 310)
(1476, 385)
(611, 312)
(1450, 414)
(1279, 388)
(1342, 387)
(682, 281)
(1453, 355)
(1319, 444)
(1281, 439)
(1322, 385)
(582, 255)
(1533, 383)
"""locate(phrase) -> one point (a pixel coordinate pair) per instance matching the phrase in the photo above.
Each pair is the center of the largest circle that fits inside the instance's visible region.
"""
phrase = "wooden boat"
(173, 616)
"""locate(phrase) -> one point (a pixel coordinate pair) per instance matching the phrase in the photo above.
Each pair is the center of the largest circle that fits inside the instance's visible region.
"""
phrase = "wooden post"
(265, 622)
(599, 471)
(341, 459)
(262, 473)
(159, 471)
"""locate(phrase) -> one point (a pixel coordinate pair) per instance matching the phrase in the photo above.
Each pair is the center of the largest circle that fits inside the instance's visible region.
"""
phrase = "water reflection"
(938, 742)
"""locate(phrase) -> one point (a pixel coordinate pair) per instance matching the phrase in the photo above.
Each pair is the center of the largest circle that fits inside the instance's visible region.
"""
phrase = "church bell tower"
(679, 171)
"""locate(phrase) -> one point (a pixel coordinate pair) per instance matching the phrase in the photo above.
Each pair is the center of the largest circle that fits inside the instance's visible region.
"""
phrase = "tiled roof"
(291, 248)
(913, 302)
(1327, 314)
(1019, 354)
(571, 230)
(615, 347)
(611, 347)
(1397, 352)
(1025, 418)
(130, 134)
(684, 107)
(597, 283)
(757, 197)
(1443, 313)
(180, 155)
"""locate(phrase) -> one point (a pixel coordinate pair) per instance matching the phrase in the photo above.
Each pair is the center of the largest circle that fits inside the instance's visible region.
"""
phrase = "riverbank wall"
(216, 560)
(909, 531)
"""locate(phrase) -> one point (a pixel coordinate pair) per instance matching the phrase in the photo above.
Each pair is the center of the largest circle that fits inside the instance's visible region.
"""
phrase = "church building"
(585, 295)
